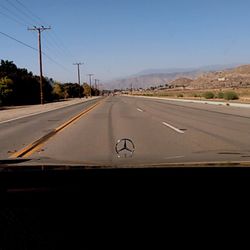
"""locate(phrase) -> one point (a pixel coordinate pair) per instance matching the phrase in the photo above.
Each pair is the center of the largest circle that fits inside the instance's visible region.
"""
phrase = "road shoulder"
(232, 104)
(26, 111)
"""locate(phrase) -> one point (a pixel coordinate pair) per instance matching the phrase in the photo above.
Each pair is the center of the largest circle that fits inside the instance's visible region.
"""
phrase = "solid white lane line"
(140, 110)
(172, 127)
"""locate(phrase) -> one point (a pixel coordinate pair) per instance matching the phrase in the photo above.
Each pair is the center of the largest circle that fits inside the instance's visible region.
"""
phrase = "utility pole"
(131, 88)
(79, 77)
(96, 80)
(98, 85)
(40, 30)
(90, 79)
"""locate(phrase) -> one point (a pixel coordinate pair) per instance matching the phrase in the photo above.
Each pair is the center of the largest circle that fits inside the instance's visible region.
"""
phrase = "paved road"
(163, 131)
(19, 133)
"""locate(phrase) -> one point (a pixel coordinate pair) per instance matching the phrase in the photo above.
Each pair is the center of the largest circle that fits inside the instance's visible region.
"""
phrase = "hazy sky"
(117, 38)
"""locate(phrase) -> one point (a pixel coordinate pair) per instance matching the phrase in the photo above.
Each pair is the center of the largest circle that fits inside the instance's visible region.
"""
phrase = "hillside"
(146, 81)
(181, 82)
(237, 77)
(157, 77)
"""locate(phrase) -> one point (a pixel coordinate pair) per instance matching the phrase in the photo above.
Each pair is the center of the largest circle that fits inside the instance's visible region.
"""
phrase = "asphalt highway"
(17, 134)
(162, 132)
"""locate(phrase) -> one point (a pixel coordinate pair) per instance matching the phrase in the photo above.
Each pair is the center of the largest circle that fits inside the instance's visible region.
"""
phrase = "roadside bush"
(208, 95)
(180, 95)
(197, 95)
(220, 95)
(231, 95)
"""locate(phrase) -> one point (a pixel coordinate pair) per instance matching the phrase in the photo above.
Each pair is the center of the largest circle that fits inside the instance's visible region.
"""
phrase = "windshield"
(125, 83)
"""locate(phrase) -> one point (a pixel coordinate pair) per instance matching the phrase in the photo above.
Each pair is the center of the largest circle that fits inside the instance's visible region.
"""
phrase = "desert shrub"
(231, 95)
(220, 95)
(208, 95)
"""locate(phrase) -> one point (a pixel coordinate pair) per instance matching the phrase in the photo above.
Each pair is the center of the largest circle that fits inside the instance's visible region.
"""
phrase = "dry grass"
(243, 93)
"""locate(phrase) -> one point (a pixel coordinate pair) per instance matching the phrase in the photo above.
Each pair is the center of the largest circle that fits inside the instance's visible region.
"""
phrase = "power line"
(60, 44)
(53, 36)
(16, 14)
(51, 51)
(59, 64)
(30, 12)
(23, 43)
(11, 18)
(20, 11)
(53, 48)
(35, 49)
(26, 12)
(23, 22)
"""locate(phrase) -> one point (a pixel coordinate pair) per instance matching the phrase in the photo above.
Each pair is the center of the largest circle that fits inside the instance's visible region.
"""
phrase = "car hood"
(35, 165)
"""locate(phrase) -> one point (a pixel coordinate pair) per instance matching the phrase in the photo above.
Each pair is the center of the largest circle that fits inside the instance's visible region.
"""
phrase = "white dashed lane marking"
(174, 128)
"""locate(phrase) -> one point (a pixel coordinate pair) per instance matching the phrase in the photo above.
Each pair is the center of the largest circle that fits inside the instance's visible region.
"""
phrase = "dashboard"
(79, 208)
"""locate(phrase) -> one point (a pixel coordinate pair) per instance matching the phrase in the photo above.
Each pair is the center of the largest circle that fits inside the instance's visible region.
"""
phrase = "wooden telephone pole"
(90, 83)
(79, 77)
(40, 30)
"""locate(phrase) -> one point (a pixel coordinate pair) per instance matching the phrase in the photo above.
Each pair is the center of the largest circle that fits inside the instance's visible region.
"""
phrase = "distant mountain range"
(156, 77)
(181, 70)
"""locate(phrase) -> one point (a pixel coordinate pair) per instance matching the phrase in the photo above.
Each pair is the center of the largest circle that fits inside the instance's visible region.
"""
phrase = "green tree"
(72, 90)
(26, 86)
(58, 91)
(95, 92)
(6, 90)
(86, 89)
(7, 68)
(48, 89)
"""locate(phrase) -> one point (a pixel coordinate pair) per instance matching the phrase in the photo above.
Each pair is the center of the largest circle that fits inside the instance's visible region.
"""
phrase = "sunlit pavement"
(163, 132)
(16, 112)
(19, 132)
